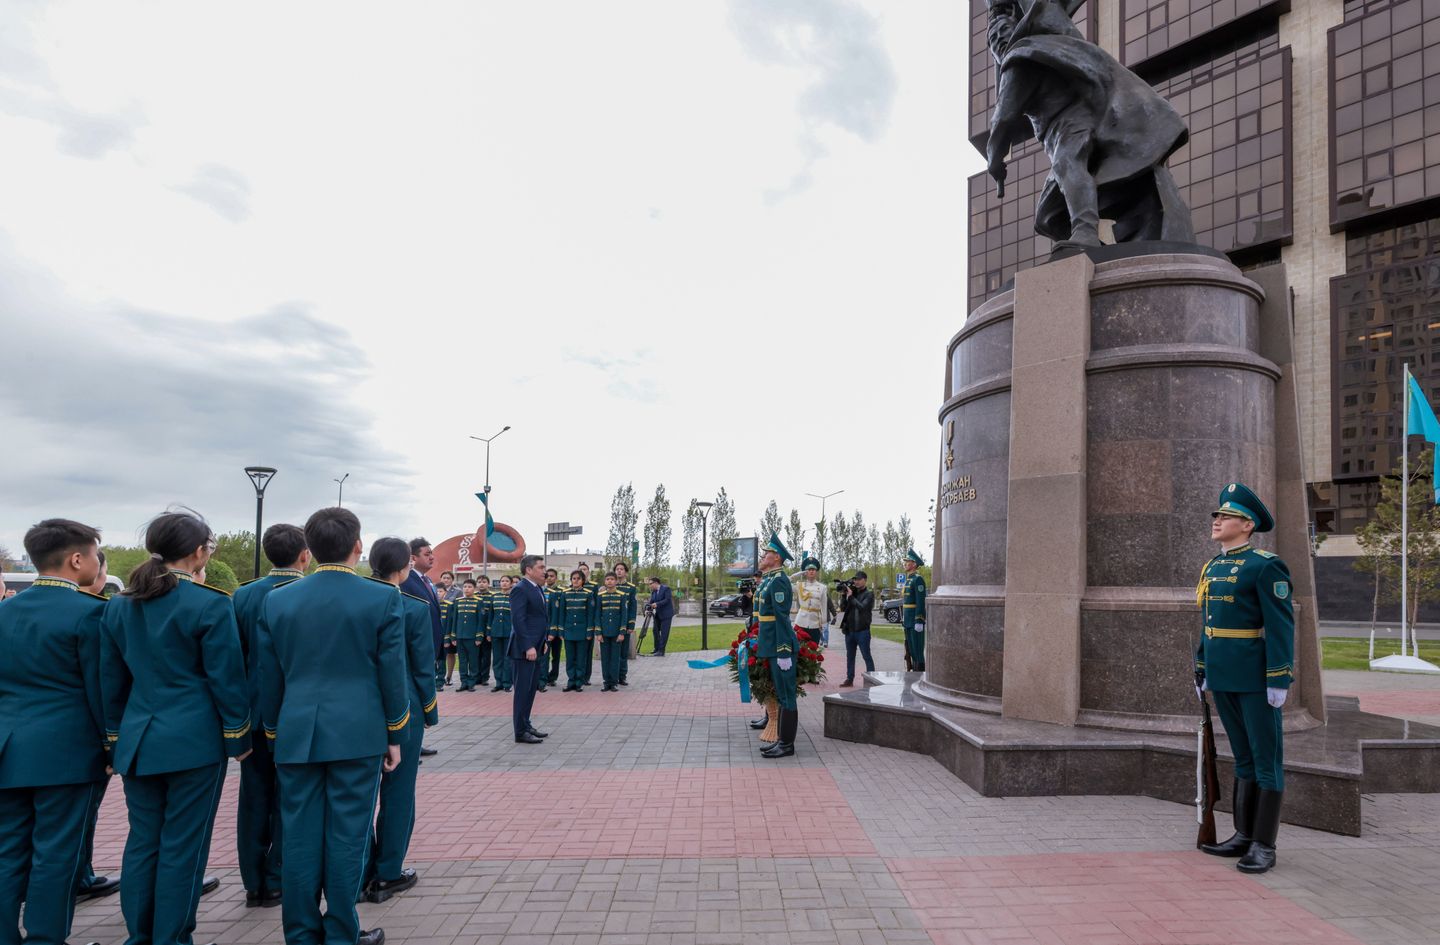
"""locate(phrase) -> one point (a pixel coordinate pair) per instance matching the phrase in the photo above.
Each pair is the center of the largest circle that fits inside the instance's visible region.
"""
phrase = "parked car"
(731, 605)
(21, 580)
(891, 609)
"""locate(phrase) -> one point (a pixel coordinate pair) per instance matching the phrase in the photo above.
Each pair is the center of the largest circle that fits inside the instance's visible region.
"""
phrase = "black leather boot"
(1244, 800)
(760, 723)
(1261, 856)
(785, 747)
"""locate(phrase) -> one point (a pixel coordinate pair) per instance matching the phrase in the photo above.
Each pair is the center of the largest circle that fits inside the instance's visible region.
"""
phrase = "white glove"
(784, 662)
(919, 626)
(1203, 687)
(1276, 697)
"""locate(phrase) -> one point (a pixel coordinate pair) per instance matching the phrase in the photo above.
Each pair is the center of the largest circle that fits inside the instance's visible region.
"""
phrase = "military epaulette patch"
(212, 587)
(251, 581)
(1265, 554)
(420, 599)
(100, 597)
(371, 577)
(284, 584)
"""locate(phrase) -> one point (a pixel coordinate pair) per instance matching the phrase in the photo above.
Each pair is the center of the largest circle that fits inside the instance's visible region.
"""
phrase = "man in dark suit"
(662, 607)
(530, 625)
(418, 584)
(336, 706)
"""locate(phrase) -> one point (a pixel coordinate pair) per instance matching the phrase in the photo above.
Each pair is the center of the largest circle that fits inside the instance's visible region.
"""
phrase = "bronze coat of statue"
(1106, 131)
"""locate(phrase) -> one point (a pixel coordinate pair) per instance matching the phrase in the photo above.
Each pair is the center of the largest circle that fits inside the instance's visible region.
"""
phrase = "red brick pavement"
(1102, 899)
(1402, 703)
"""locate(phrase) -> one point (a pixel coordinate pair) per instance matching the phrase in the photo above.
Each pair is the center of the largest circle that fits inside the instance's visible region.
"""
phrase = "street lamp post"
(340, 497)
(820, 551)
(485, 545)
(260, 477)
(704, 576)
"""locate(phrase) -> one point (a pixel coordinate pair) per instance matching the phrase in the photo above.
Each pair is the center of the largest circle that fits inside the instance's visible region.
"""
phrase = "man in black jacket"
(856, 608)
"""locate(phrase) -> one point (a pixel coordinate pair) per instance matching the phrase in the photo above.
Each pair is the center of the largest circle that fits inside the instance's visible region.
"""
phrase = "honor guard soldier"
(612, 608)
(386, 875)
(336, 707)
(497, 633)
(176, 707)
(777, 641)
(257, 819)
(52, 742)
(811, 607)
(575, 619)
(626, 587)
(1245, 661)
(465, 623)
(913, 611)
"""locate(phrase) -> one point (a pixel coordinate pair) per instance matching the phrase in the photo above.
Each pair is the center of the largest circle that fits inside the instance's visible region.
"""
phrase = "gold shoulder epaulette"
(212, 587)
(100, 597)
(413, 597)
(1265, 554)
(251, 581)
(284, 584)
(371, 577)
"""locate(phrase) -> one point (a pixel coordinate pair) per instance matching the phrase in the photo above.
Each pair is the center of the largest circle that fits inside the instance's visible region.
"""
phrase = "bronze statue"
(1106, 131)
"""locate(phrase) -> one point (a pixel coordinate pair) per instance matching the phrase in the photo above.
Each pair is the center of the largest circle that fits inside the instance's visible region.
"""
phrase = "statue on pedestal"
(1106, 131)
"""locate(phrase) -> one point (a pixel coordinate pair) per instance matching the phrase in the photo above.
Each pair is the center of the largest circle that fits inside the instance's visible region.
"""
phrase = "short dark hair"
(483, 577)
(508, 577)
(578, 572)
(101, 555)
(470, 581)
(585, 566)
(528, 562)
(552, 571)
(611, 574)
(283, 544)
(451, 573)
(416, 544)
(389, 556)
(622, 564)
(50, 541)
(655, 580)
(331, 534)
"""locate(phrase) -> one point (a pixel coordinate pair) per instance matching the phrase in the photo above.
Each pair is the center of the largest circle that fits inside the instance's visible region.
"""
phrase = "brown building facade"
(1314, 141)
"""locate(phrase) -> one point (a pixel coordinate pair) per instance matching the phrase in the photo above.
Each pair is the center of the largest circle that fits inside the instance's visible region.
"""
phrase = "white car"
(20, 580)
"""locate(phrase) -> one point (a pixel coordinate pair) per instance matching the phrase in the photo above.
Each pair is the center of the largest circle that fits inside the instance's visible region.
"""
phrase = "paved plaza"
(656, 823)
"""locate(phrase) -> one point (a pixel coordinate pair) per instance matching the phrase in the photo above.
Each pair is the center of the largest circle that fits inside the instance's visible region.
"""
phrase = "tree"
(890, 550)
(219, 574)
(903, 540)
(872, 547)
(1372, 561)
(657, 530)
(237, 550)
(840, 541)
(1423, 570)
(690, 542)
(722, 528)
(771, 522)
(795, 533)
(120, 560)
(823, 554)
(857, 536)
(931, 512)
(7, 561)
(623, 520)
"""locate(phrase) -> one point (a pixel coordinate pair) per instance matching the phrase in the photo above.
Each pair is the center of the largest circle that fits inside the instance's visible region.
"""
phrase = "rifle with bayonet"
(1207, 778)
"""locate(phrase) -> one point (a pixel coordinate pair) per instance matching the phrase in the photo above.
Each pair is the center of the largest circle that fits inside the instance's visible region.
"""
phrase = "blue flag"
(1422, 422)
(489, 522)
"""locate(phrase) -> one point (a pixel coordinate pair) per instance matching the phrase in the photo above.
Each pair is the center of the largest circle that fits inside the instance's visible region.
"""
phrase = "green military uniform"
(52, 753)
(331, 705)
(1245, 659)
(497, 631)
(465, 623)
(395, 821)
(913, 613)
(575, 620)
(176, 706)
(777, 642)
(555, 644)
(487, 653)
(258, 838)
(587, 657)
(612, 611)
(631, 592)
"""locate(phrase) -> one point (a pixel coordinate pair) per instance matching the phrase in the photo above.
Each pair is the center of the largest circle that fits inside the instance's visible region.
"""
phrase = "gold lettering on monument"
(956, 491)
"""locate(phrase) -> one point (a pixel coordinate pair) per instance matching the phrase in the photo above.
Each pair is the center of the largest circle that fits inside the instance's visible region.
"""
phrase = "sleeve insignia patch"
(1282, 589)
(779, 597)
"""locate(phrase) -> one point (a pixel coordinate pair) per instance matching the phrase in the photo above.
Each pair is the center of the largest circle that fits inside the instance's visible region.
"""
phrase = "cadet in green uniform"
(386, 875)
(92, 886)
(465, 623)
(556, 644)
(575, 619)
(173, 677)
(486, 651)
(52, 743)
(913, 611)
(777, 640)
(337, 707)
(257, 819)
(497, 632)
(587, 657)
(1245, 660)
(626, 587)
(450, 656)
(612, 611)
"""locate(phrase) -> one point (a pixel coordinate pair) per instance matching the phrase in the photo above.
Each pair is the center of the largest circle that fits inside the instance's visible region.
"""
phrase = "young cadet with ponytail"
(173, 680)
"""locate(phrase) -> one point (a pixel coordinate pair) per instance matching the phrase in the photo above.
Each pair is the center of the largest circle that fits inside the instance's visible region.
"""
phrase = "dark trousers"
(469, 651)
(326, 809)
(87, 870)
(915, 645)
(610, 660)
(42, 841)
(487, 653)
(171, 817)
(440, 665)
(860, 640)
(662, 634)
(557, 649)
(785, 684)
(524, 671)
(623, 672)
(257, 819)
(504, 675)
(1256, 739)
(575, 661)
(587, 661)
(396, 820)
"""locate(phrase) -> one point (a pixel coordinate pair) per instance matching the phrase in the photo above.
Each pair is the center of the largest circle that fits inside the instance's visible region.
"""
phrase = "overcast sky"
(710, 243)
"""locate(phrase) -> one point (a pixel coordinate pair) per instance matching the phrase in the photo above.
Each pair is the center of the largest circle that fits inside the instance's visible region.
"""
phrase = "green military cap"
(778, 546)
(1237, 499)
(912, 556)
(809, 562)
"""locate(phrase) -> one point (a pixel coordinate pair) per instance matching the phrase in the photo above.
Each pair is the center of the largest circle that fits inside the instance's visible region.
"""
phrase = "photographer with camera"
(857, 603)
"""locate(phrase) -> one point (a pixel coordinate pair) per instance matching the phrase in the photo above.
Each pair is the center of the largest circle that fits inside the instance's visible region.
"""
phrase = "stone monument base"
(1326, 769)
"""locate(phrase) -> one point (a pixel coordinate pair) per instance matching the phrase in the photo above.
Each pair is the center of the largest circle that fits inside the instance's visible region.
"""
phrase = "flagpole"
(1405, 519)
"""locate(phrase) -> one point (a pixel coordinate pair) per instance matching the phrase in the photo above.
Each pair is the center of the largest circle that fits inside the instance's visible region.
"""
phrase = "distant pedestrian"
(662, 607)
(856, 610)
